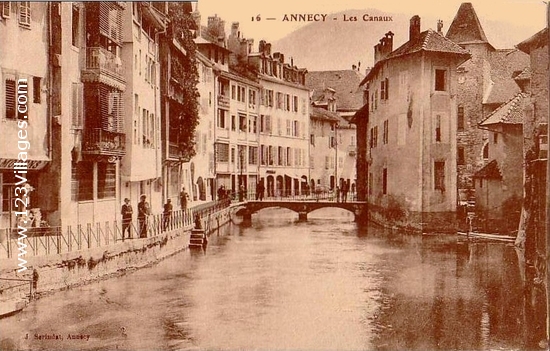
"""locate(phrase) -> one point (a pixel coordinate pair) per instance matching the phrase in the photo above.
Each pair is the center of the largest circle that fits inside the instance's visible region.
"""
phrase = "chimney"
(353, 67)
(359, 66)
(414, 29)
(440, 27)
(250, 43)
(197, 19)
(389, 42)
(268, 49)
(235, 29)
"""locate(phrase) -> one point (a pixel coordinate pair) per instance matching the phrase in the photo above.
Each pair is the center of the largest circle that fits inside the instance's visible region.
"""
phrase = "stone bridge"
(302, 207)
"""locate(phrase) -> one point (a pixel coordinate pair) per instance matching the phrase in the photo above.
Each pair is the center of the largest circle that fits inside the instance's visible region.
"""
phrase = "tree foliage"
(184, 71)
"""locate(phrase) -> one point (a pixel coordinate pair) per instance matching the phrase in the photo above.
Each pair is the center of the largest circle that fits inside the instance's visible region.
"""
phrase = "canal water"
(280, 284)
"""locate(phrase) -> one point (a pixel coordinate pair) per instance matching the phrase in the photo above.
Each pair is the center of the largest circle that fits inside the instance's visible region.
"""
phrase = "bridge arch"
(300, 207)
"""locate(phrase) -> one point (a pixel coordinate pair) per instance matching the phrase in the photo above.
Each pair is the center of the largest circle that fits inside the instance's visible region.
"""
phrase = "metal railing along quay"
(56, 240)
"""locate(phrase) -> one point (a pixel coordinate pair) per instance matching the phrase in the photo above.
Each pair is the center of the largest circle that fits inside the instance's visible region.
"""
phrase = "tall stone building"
(484, 82)
(412, 126)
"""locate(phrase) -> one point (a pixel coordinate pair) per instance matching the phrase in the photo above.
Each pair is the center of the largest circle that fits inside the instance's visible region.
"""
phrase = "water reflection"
(323, 284)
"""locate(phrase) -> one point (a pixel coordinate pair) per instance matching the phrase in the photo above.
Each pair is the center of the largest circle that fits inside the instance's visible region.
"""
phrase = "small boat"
(473, 235)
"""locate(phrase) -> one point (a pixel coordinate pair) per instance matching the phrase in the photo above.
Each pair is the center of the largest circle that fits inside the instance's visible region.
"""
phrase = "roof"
(504, 63)
(536, 41)
(489, 171)
(428, 41)
(511, 112)
(324, 115)
(466, 27)
(344, 82)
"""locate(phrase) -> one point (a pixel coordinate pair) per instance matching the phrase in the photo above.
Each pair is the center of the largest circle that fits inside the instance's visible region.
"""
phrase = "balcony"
(174, 153)
(104, 67)
(223, 101)
(101, 142)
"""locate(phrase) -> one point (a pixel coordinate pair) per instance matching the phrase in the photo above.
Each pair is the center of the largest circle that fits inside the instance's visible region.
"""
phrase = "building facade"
(25, 109)
(142, 163)
(412, 130)
(484, 83)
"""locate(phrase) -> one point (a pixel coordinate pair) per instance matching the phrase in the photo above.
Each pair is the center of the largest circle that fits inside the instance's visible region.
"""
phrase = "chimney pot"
(440, 26)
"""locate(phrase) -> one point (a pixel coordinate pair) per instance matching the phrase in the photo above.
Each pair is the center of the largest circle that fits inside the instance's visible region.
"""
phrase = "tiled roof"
(489, 171)
(466, 27)
(344, 82)
(511, 112)
(429, 40)
(536, 41)
(322, 114)
(503, 65)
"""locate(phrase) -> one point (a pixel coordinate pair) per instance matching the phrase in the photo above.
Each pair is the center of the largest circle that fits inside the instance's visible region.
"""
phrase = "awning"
(34, 163)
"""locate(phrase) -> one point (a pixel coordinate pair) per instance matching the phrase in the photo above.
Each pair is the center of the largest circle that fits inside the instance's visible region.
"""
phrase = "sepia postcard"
(280, 175)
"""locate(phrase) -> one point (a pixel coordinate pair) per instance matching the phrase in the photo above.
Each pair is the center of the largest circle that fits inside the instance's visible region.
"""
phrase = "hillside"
(338, 45)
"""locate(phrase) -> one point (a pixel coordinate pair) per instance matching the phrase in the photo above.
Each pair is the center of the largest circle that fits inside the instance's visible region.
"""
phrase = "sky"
(528, 13)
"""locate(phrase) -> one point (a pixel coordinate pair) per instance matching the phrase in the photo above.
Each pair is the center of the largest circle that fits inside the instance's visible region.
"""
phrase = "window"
(5, 9)
(352, 140)
(460, 159)
(233, 92)
(233, 123)
(295, 104)
(439, 175)
(232, 155)
(288, 127)
(75, 25)
(85, 177)
(486, 151)
(10, 98)
(288, 156)
(222, 152)
(384, 89)
(36, 93)
(287, 102)
(242, 123)
(25, 13)
(262, 123)
(251, 97)
(252, 155)
(312, 139)
(221, 119)
(77, 115)
(106, 180)
(438, 128)
(440, 80)
(495, 137)
(385, 133)
(460, 118)
(280, 157)
(384, 181)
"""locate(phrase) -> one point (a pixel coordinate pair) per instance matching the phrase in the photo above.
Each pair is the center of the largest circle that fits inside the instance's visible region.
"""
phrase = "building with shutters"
(412, 130)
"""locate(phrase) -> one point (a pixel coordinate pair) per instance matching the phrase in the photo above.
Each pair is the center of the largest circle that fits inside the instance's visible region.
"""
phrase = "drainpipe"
(158, 114)
(548, 194)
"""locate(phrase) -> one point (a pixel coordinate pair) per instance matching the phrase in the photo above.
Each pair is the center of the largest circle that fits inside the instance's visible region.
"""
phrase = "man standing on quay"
(143, 212)
(127, 213)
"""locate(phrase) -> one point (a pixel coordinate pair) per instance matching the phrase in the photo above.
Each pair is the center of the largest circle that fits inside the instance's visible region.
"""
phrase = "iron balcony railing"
(98, 141)
(101, 59)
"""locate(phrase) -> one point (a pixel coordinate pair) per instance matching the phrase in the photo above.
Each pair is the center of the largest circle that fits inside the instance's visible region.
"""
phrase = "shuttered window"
(25, 13)
(10, 98)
